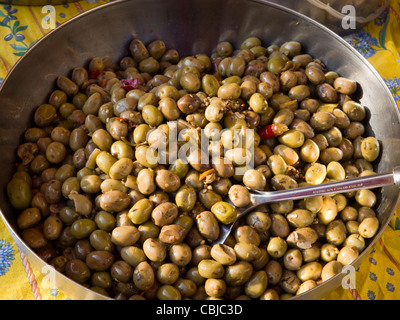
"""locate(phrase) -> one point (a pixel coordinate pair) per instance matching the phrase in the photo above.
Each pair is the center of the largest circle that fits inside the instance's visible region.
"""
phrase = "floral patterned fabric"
(378, 277)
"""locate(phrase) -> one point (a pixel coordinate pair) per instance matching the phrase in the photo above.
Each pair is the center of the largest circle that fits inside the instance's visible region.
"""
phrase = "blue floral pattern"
(363, 42)
(394, 87)
(373, 276)
(371, 295)
(381, 19)
(6, 256)
(390, 271)
(10, 21)
(390, 287)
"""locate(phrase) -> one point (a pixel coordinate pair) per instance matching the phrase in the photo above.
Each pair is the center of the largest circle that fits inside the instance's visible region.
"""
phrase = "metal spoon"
(259, 198)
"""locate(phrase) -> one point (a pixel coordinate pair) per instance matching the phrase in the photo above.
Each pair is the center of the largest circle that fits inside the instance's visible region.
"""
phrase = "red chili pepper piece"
(129, 84)
(272, 130)
(93, 74)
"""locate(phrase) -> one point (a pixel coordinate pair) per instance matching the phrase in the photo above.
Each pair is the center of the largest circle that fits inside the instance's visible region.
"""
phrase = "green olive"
(210, 85)
(165, 213)
(52, 227)
(316, 173)
(185, 198)
(223, 254)
(29, 218)
(207, 225)
(368, 227)
(300, 218)
(257, 284)
(215, 288)
(276, 247)
(292, 138)
(258, 103)
(347, 255)
(82, 228)
(101, 240)
(370, 149)
(19, 193)
(224, 212)
(154, 250)
(151, 115)
(331, 269)
(141, 211)
(168, 292)
(143, 276)
(132, 255)
(238, 273)
(167, 273)
(77, 270)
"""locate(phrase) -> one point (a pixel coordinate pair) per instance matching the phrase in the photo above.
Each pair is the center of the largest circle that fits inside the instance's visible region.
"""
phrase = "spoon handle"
(261, 197)
(354, 184)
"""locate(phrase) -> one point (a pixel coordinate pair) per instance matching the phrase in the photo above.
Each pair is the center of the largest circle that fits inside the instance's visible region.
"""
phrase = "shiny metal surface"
(191, 27)
(259, 198)
(330, 13)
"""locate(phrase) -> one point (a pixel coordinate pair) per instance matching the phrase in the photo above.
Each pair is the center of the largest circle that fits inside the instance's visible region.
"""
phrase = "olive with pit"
(121, 169)
(28, 218)
(165, 213)
(368, 227)
(347, 255)
(223, 254)
(167, 180)
(146, 183)
(143, 276)
(34, 238)
(292, 259)
(302, 238)
(238, 273)
(322, 120)
(257, 284)
(154, 250)
(114, 201)
(19, 193)
(215, 288)
(77, 270)
(52, 227)
(276, 247)
(260, 221)
(189, 103)
(99, 260)
(300, 218)
(185, 198)
(345, 85)
(132, 255)
(336, 232)
(172, 234)
(239, 195)
(331, 269)
(125, 235)
(370, 149)
(82, 228)
(141, 211)
(224, 212)
(207, 225)
(254, 179)
(167, 273)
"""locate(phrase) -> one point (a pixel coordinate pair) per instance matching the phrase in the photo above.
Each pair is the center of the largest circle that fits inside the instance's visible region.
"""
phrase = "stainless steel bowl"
(191, 27)
(331, 13)
(34, 2)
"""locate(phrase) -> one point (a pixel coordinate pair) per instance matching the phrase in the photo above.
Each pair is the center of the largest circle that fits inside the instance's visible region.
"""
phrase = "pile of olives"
(97, 204)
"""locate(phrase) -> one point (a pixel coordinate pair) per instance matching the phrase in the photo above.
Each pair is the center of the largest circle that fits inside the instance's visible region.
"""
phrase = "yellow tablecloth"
(378, 277)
